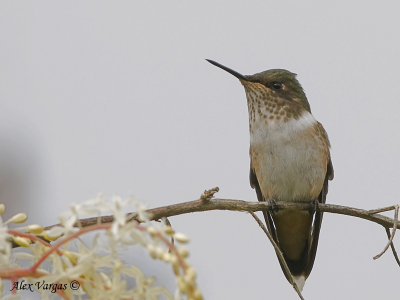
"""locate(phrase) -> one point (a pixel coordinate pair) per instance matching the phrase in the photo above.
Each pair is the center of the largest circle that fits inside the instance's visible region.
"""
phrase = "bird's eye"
(276, 85)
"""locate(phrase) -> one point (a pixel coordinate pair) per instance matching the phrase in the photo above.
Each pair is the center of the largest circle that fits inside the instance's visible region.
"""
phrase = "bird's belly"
(289, 168)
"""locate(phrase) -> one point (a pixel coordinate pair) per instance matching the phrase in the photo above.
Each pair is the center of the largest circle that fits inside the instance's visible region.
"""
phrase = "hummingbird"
(289, 162)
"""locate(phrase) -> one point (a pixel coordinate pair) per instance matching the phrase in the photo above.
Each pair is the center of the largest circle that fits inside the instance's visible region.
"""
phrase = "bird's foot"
(273, 206)
(314, 206)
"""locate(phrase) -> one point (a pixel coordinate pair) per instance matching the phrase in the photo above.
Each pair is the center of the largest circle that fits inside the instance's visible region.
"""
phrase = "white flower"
(94, 260)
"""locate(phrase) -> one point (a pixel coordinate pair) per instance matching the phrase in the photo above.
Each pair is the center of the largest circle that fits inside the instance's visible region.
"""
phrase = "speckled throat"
(266, 106)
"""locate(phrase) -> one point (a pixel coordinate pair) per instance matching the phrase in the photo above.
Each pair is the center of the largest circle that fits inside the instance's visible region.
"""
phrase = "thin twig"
(395, 223)
(396, 257)
(379, 210)
(208, 194)
(280, 255)
(168, 223)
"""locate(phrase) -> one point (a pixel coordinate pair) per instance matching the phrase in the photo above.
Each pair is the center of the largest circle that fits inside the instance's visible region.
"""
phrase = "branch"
(207, 202)
(240, 205)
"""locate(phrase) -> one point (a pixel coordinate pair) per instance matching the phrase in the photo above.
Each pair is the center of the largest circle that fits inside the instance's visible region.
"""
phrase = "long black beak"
(234, 73)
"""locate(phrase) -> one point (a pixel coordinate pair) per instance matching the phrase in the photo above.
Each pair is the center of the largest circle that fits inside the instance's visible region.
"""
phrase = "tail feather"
(300, 281)
(300, 263)
(295, 240)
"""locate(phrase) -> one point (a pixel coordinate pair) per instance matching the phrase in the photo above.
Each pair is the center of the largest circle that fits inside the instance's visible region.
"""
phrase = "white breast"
(278, 131)
(286, 158)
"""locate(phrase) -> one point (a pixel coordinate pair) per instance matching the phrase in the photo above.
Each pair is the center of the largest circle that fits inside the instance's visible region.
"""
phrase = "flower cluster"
(71, 266)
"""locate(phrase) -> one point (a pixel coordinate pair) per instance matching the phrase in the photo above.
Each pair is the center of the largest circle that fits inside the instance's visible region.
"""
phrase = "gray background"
(116, 97)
